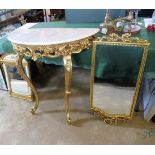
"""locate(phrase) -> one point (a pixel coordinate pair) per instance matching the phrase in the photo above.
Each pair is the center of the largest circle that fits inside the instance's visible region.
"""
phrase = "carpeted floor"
(48, 126)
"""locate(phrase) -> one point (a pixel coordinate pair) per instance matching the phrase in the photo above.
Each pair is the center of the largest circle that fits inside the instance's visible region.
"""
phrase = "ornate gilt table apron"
(50, 42)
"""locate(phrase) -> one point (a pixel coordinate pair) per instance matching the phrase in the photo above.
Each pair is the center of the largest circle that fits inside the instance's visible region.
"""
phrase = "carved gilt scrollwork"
(125, 38)
(39, 51)
(117, 40)
(110, 119)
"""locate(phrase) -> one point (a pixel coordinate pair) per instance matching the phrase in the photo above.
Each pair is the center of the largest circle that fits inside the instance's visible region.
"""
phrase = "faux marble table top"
(48, 36)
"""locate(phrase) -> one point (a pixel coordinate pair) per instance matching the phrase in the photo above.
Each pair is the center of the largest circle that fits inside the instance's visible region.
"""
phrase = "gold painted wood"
(25, 77)
(39, 51)
(124, 40)
(68, 76)
(12, 63)
(50, 51)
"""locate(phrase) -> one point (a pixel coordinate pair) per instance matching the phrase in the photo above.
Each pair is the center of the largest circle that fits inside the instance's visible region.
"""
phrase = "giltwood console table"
(50, 42)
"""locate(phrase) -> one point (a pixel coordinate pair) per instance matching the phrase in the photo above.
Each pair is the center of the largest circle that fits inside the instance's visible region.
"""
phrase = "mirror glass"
(115, 71)
(18, 85)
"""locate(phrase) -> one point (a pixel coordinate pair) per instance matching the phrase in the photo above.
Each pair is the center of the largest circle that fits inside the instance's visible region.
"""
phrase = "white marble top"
(48, 36)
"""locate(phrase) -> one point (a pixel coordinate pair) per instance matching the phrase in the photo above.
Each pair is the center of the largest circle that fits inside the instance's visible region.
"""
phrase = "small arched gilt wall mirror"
(116, 74)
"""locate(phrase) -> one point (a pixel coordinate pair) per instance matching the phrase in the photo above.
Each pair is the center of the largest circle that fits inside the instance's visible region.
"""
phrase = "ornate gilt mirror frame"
(116, 40)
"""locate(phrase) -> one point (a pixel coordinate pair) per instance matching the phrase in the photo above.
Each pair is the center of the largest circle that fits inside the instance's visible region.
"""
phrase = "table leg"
(68, 75)
(25, 77)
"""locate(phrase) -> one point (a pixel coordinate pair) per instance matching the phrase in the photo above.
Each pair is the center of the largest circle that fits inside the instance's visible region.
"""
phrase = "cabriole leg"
(25, 77)
(68, 76)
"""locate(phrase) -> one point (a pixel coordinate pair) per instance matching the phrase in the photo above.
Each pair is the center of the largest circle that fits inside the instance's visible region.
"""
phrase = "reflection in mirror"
(115, 81)
(17, 87)
(116, 99)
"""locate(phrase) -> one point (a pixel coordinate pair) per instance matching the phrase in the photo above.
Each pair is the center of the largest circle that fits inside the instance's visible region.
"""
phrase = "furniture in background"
(148, 98)
(51, 15)
(59, 14)
(91, 15)
(35, 15)
(17, 87)
(10, 17)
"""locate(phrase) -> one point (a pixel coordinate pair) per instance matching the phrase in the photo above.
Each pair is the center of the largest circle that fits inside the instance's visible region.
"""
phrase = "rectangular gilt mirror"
(116, 74)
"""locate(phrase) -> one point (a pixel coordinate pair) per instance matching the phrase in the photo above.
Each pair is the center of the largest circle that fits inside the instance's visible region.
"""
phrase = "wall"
(90, 15)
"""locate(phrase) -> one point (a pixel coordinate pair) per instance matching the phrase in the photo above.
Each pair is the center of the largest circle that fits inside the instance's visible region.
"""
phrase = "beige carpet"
(48, 126)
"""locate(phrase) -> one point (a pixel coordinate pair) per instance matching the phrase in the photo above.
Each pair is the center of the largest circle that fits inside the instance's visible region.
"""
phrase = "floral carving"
(125, 38)
(64, 49)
